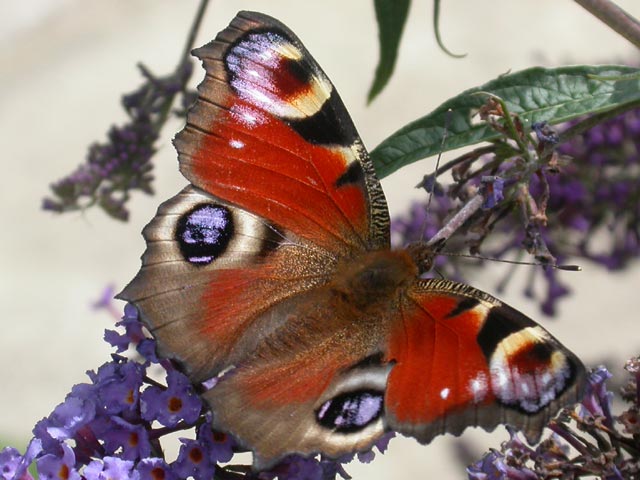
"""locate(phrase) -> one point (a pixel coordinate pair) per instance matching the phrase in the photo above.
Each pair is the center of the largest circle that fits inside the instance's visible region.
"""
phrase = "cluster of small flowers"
(599, 191)
(112, 427)
(121, 165)
(600, 445)
(580, 202)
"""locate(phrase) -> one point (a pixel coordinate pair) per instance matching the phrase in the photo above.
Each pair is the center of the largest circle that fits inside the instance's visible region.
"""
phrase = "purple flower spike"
(66, 420)
(489, 468)
(193, 461)
(586, 446)
(496, 466)
(155, 469)
(13, 466)
(131, 441)
(134, 333)
(110, 468)
(171, 405)
(545, 133)
(52, 467)
(147, 349)
(545, 197)
(117, 340)
(597, 400)
(122, 164)
(218, 445)
(118, 385)
(492, 190)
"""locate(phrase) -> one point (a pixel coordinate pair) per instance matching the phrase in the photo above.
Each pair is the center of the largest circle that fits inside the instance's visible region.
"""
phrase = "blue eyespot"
(204, 232)
(352, 411)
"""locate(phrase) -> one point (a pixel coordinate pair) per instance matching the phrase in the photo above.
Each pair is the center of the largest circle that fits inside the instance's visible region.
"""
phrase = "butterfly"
(272, 273)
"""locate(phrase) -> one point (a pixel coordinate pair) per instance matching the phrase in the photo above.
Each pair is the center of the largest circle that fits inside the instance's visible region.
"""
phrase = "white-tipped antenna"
(424, 183)
(567, 268)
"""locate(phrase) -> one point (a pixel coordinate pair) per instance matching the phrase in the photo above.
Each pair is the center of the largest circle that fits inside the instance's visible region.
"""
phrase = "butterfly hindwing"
(316, 384)
(463, 358)
(270, 134)
(306, 389)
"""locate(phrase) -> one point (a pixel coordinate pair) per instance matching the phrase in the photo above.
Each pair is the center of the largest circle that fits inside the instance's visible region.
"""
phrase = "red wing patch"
(439, 369)
(270, 134)
(463, 358)
(260, 164)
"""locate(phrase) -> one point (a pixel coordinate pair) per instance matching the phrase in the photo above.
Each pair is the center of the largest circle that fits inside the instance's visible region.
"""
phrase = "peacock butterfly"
(272, 272)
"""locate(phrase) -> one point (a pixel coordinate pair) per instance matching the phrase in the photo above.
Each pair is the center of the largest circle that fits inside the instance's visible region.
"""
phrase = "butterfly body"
(272, 272)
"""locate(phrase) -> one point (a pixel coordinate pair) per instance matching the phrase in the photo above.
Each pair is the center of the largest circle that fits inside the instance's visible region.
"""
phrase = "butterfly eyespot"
(203, 233)
(265, 71)
(529, 374)
(352, 411)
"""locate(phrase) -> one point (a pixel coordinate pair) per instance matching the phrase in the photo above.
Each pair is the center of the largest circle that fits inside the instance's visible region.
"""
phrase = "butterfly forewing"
(270, 134)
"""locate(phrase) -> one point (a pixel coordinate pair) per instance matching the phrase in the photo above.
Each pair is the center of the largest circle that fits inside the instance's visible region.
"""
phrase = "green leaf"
(537, 94)
(436, 30)
(391, 16)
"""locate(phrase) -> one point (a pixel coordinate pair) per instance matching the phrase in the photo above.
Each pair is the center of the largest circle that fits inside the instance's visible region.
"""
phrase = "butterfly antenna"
(566, 268)
(424, 183)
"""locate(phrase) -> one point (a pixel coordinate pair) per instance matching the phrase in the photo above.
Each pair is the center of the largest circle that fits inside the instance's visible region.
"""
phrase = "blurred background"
(63, 67)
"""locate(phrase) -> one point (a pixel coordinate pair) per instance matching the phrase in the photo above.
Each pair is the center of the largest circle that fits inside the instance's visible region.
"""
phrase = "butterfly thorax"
(374, 277)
